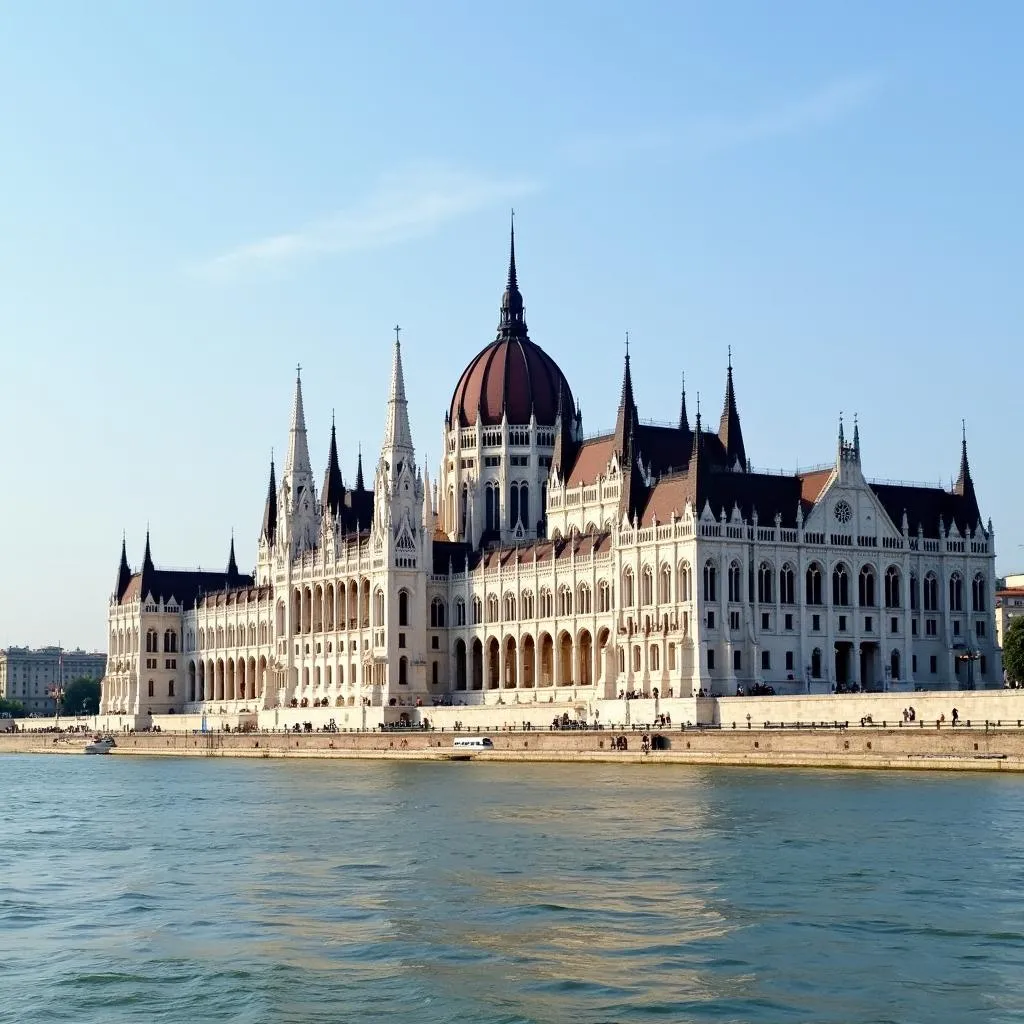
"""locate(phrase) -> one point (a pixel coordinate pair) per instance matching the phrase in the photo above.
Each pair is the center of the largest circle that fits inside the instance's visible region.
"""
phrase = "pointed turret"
(684, 420)
(512, 323)
(270, 508)
(298, 472)
(634, 487)
(232, 563)
(856, 437)
(729, 432)
(124, 572)
(964, 484)
(397, 445)
(147, 558)
(565, 444)
(360, 486)
(332, 496)
(626, 421)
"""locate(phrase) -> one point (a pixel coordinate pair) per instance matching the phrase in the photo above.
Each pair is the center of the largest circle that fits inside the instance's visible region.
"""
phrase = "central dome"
(513, 378)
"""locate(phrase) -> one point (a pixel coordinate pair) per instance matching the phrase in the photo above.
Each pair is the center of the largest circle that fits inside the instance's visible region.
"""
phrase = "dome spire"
(511, 323)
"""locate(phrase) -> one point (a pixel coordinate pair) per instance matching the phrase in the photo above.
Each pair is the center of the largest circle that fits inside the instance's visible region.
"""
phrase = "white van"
(473, 743)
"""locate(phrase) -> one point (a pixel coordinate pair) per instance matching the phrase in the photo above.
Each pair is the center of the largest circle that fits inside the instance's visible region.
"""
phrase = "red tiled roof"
(811, 484)
(592, 461)
(668, 498)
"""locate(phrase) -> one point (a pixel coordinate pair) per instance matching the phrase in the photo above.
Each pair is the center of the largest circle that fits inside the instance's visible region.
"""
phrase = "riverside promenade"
(775, 737)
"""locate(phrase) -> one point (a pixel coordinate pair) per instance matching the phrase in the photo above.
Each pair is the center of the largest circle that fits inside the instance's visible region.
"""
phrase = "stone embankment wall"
(975, 748)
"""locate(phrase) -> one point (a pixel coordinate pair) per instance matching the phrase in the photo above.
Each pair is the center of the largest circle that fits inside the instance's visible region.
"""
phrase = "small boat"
(100, 745)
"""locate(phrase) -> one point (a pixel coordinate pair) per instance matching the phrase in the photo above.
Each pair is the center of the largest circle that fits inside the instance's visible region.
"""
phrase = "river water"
(188, 890)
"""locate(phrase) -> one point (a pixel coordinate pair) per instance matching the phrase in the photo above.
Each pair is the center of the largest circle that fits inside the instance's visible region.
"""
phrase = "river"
(199, 890)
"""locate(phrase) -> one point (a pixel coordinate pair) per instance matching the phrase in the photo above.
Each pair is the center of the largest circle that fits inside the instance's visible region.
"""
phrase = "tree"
(81, 697)
(1013, 650)
(11, 708)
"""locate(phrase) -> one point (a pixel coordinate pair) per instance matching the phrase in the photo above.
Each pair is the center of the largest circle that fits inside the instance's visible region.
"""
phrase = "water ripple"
(260, 891)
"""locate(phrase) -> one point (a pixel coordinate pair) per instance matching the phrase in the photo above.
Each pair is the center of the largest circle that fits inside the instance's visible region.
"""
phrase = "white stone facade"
(649, 560)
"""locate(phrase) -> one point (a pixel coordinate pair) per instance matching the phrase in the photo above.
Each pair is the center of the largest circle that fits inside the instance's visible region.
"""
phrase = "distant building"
(28, 676)
(1009, 604)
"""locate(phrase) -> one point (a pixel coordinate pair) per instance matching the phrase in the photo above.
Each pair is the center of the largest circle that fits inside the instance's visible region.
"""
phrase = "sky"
(196, 197)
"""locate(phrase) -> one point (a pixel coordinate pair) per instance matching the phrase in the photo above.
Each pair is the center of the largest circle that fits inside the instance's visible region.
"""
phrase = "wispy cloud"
(705, 135)
(826, 105)
(399, 208)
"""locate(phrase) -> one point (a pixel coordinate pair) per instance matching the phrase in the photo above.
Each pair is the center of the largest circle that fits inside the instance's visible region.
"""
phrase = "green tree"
(1013, 650)
(81, 697)
(14, 708)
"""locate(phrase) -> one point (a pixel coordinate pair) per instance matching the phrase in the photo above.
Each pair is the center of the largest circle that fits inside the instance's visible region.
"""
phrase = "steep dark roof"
(450, 554)
(926, 505)
(184, 586)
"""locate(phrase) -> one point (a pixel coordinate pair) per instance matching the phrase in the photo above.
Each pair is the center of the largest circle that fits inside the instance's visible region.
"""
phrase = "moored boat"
(100, 745)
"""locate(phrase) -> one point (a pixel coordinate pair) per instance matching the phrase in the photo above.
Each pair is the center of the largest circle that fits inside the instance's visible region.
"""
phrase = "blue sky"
(197, 196)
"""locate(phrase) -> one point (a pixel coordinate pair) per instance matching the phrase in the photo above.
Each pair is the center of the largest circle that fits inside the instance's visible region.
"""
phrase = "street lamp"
(57, 693)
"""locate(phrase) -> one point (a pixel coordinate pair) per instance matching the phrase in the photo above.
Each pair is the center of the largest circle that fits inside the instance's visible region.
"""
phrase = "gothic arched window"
(814, 583)
(840, 585)
(866, 587)
(892, 587)
(978, 593)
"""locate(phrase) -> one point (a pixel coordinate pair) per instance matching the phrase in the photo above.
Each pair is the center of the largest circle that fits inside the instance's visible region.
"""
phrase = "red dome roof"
(514, 377)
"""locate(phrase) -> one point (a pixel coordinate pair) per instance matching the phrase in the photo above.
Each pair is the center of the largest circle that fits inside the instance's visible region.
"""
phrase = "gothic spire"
(124, 573)
(332, 497)
(729, 426)
(698, 438)
(270, 508)
(964, 484)
(397, 435)
(684, 420)
(360, 486)
(232, 563)
(626, 422)
(147, 558)
(297, 469)
(512, 323)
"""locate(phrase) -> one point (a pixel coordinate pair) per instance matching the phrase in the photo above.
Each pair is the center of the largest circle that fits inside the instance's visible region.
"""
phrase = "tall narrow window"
(840, 585)
(710, 581)
(956, 592)
(786, 585)
(866, 587)
(892, 587)
(403, 608)
(814, 583)
(735, 582)
(978, 593)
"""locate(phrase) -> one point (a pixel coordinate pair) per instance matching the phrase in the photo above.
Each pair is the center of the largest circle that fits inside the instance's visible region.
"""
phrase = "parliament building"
(546, 565)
